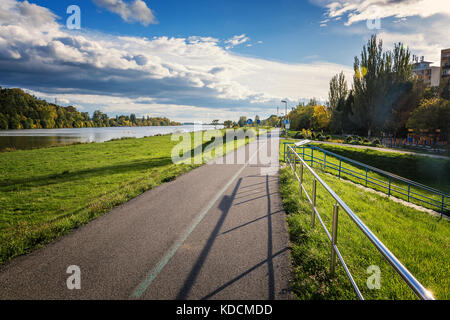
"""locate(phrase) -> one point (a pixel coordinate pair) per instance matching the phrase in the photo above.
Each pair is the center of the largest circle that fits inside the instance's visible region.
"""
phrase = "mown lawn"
(420, 241)
(433, 172)
(422, 167)
(44, 193)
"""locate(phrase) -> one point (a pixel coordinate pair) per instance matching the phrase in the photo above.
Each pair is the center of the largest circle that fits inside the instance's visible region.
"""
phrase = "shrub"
(375, 143)
(348, 139)
(328, 137)
(299, 135)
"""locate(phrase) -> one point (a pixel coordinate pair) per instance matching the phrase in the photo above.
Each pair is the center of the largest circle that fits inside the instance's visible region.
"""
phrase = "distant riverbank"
(42, 138)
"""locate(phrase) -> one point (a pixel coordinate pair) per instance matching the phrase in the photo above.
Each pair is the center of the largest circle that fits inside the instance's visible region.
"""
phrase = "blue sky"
(200, 60)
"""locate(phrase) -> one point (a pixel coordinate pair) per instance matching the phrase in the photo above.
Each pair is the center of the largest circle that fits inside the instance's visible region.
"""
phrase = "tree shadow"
(224, 206)
(130, 166)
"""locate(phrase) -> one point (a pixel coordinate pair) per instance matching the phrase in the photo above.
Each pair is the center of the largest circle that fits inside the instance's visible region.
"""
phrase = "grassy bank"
(419, 240)
(425, 170)
(433, 172)
(44, 193)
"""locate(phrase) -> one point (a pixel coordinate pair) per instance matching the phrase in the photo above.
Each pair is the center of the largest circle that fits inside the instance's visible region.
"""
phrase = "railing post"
(301, 180)
(303, 152)
(325, 161)
(295, 162)
(313, 200)
(389, 193)
(442, 207)
(312, 157)
(340, 166)
(409, 190)
(334, 237)
(284, 152)
(366, 176)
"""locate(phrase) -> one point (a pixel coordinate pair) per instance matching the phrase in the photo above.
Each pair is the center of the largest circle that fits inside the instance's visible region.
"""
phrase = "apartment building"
(429, 74)
(445, 65)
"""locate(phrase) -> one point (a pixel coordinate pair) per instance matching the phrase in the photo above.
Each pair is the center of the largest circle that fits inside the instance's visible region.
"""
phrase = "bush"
(299, 135)
(328, 137)
(375, 143)
(348, 139)
(366, 140)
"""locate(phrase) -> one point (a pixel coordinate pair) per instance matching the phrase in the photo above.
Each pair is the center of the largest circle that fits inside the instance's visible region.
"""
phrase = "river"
(41, 138)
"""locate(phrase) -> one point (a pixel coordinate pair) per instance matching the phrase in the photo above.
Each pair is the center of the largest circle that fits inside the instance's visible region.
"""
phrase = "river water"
(41, 138)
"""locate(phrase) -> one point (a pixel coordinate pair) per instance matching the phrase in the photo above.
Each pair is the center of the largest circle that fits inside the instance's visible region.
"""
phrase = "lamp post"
(286, 116)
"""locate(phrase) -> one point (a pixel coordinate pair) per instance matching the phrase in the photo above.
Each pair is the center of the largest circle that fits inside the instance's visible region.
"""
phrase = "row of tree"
(386, 98)
(20, 110)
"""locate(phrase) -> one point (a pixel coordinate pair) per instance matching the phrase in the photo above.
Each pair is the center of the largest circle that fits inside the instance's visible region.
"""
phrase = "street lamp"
(286, 116)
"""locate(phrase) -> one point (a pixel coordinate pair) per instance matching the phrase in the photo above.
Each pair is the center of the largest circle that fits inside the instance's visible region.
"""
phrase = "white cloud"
(236, 40)
(362, 10)
(420, 40)
(93, 70)
(135, 11)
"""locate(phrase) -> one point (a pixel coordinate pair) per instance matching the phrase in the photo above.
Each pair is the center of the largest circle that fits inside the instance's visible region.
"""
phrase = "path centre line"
(143, 286)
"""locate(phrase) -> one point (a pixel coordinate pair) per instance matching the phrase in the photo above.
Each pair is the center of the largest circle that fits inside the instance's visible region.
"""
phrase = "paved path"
(217, 232)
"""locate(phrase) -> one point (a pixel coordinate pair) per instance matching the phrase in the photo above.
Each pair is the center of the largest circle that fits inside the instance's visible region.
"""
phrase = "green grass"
(45, 193)
(420, 241)
(433, 172)
(391, 162)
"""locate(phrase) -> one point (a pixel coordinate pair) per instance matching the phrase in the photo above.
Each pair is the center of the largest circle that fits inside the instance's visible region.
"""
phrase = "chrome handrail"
(406, 275)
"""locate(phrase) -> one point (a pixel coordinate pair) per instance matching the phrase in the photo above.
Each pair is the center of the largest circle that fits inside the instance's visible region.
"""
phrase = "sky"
(201, 60)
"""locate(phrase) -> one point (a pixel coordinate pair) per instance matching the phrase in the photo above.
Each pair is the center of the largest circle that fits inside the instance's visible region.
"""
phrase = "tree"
(242, 121)
(20, 110)
(272, 121)
(321, 118)
(301, 117)
(228, 124)
(432, 114)
(445, 91)
(381, 85)
(336, 99)
(133, 118)
(3, 122)
(338, 90)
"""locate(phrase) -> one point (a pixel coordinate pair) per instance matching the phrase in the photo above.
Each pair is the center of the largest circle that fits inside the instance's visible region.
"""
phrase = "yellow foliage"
(321, 117)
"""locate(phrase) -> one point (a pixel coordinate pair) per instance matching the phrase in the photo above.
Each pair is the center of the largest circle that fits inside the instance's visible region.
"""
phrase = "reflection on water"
(41, 138)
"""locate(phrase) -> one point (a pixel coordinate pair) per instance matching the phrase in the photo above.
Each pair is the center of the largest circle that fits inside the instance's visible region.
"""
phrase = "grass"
(420, 241)
(400, 164)
(433, 172)
(45, 193)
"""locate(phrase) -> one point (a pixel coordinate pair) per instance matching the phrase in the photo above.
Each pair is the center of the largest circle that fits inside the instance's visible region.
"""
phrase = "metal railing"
(410, 280)
(412, 191)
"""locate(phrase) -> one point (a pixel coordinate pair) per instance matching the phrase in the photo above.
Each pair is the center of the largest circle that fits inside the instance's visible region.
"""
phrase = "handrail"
(411, 182)
(410, 280)
(440, 205)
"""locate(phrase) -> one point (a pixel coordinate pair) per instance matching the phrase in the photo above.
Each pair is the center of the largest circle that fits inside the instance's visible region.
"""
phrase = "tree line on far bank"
(20, 110)
(386, 98)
